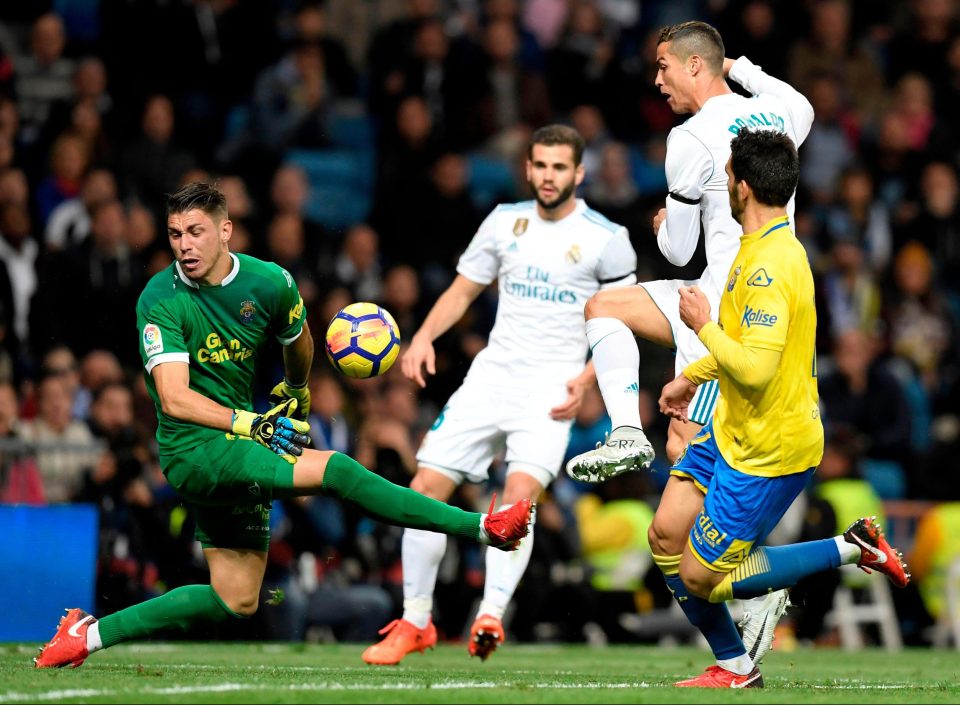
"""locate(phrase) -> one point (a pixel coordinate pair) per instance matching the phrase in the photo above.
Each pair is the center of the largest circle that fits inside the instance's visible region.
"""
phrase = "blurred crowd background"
(360, 143)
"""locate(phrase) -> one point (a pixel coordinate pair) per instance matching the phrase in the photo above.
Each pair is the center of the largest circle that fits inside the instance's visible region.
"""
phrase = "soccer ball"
(363, 340)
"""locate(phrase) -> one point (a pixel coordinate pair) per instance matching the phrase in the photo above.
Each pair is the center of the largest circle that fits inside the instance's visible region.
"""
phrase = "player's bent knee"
(664, 540)
(600, 305)
(243, 605)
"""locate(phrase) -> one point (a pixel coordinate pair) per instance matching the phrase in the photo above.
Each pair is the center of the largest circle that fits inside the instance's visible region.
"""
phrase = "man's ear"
(694, 65)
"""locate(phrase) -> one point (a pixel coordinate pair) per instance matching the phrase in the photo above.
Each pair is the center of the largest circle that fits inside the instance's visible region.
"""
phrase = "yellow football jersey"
(768, 303)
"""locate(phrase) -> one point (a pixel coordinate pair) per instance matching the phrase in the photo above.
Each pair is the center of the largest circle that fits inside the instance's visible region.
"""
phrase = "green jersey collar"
(226, 280)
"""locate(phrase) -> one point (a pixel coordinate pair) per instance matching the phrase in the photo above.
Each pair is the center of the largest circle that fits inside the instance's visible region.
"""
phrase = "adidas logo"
(633, 389)
(513, 247)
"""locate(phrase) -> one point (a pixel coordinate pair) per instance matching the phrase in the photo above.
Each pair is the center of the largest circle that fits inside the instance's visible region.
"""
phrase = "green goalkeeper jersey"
(219, 331)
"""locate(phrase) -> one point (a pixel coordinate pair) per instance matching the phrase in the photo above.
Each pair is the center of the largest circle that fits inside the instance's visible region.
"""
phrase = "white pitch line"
(11, 697)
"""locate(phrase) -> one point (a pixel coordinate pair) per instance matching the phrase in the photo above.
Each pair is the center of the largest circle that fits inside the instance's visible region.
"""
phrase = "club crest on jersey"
(247, 312)
(520, 226)
(760, 278)
(152, 340)
(573, 255)
(733, 279)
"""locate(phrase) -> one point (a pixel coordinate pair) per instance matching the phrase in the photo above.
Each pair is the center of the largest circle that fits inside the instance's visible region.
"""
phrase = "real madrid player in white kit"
(523, 390)
(691, 72)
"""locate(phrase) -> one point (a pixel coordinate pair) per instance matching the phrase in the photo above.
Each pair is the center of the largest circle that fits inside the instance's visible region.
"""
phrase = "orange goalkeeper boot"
(68, 647)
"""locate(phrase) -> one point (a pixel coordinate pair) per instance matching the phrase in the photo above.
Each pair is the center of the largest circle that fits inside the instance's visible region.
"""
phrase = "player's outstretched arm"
(756, 81)
(448, 309)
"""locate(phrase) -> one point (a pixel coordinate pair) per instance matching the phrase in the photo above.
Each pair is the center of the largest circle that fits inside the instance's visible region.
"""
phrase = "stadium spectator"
(292, 100)
(154, 162)
(511, 96)
(832, 49)
(848, 293)
(937, 224)
(66, 449)
(357, 266)
(43, 75)
(60, 361)
(18, 252)
(69, 222)
(578, 67)
(401, 297)
(101, 276)
(20, 479)
(862, 395)
(857, 216)
(829, 148)
(918, 322)
(69, 160)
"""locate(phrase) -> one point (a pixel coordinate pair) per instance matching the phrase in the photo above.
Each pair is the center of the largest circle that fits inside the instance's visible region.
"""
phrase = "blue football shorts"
(739, 510)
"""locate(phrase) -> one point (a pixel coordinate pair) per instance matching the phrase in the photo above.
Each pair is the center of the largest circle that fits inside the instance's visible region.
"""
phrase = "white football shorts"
(666, 295)
(481, 420)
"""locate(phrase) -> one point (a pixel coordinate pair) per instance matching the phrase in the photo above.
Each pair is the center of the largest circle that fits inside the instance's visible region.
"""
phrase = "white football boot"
(760, 617)
(626, 448)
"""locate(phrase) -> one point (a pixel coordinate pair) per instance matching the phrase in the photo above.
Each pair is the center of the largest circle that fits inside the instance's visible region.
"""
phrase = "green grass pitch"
(179, 672)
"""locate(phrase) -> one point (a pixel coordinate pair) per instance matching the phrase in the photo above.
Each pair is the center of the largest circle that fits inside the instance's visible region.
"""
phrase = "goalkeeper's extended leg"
(341, 476)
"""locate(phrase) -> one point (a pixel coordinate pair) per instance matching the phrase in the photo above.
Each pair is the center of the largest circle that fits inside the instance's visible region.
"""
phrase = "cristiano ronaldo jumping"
(742, 471)
(203, 321)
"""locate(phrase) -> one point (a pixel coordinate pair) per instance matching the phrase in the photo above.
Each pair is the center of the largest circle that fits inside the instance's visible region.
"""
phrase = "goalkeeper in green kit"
(202, 322)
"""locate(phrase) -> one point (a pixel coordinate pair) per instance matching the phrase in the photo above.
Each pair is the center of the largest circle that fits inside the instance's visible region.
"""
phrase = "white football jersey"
(697, 154)
(547, 270)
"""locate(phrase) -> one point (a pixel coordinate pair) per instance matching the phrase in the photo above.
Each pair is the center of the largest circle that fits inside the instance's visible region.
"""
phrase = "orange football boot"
(486, 635)
(402, 638)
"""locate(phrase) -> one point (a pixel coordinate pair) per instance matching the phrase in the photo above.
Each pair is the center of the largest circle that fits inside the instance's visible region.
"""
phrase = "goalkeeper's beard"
(560, 199)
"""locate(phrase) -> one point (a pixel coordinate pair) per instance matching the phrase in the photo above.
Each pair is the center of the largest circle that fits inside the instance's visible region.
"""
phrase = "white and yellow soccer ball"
(363, 340)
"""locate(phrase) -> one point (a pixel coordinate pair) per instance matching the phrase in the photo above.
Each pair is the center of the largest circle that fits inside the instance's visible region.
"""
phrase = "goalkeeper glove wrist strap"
(242, 423)
(295, 386)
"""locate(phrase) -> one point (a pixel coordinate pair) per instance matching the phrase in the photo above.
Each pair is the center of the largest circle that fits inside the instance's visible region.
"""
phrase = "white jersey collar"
(578, 210)
(234, 271)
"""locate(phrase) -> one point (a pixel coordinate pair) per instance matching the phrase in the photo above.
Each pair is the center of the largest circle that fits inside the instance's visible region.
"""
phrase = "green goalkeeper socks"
(347, 479)
(178, 609)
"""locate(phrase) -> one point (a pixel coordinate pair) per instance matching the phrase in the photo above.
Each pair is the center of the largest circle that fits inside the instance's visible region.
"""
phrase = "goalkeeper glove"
(284, 436)
(284, 390)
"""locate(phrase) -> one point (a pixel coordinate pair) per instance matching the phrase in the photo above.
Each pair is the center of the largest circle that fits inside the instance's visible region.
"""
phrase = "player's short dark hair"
(551, 135)
(201, 195)
(689, 38)
(767, 160)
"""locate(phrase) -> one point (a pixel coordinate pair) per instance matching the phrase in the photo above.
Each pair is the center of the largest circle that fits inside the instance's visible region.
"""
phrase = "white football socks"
(849, 553)
(617, 359)
(741, 665)
(93, 637)
(421, 553)
(504, 571)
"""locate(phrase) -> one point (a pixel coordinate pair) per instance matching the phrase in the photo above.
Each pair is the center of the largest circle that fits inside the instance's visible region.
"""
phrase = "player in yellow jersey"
(739, 475)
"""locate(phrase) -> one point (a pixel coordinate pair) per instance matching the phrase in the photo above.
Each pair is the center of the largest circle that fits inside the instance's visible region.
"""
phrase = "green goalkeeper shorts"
(230, 483)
